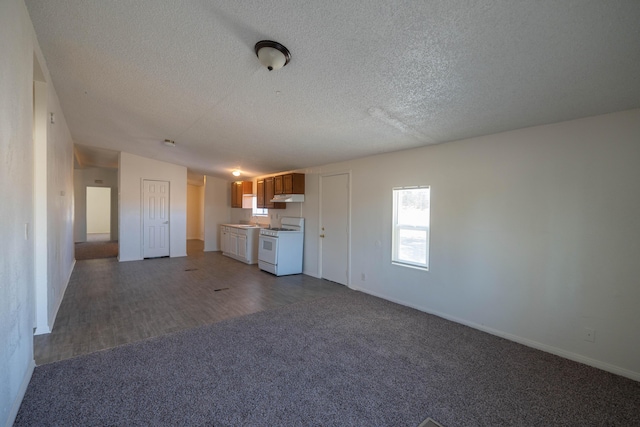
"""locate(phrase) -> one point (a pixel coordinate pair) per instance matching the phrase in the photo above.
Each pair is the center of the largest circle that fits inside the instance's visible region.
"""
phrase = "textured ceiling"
(364, 78)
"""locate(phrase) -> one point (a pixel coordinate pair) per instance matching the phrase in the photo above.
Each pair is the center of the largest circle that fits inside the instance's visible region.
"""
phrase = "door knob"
(322, 235)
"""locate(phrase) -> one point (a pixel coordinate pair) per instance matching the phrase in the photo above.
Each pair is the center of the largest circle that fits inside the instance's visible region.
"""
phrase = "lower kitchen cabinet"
(240, 242)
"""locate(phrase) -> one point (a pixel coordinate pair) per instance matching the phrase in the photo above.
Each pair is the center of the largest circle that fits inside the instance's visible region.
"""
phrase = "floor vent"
(190, 269)
(429, 423)
(221, 289)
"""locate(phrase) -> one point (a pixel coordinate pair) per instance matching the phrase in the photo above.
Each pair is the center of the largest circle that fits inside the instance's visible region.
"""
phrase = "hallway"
(108, 303)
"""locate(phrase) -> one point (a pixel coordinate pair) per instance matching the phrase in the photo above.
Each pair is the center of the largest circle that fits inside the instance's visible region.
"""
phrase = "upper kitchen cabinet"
(260, 193)
(291, 183)
(238, 190)
(269, 193)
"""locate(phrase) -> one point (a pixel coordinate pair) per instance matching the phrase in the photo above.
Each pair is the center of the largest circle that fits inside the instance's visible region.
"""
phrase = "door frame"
(86, 209)
(349, 210)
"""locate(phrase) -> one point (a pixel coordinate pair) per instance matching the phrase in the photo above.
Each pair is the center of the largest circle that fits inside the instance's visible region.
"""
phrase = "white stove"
(280, 249)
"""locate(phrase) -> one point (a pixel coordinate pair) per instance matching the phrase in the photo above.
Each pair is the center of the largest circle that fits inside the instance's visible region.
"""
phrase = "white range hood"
(288, 198)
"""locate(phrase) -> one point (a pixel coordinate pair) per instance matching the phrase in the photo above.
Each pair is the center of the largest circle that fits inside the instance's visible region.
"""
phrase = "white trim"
(13, 413)
(41, 330)
(396, 227)
(39, 195)
(312, 274)
(524, 341)
(54, 313)
(409, 265)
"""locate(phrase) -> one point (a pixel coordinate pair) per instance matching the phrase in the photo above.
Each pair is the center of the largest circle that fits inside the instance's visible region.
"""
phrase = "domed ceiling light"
(236, 172)
(272, 54)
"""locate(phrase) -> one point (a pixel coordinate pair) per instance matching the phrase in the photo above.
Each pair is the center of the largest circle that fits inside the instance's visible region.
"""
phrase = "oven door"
(268, 249)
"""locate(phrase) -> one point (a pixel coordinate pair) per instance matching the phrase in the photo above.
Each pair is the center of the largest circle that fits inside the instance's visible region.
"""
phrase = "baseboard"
(524, 341)
(21, 392)
(178, 255)
(41, 331)
(128, 259)
(54, 314)
(308, 273)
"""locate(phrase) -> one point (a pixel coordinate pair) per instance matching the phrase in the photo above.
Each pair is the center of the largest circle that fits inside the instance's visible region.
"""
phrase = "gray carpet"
(346, 360)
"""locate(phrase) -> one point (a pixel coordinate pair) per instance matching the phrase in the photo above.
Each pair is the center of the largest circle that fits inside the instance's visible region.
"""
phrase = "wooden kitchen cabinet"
(260, 193)
(268, 195)
(277, 184)
(238, 190)
(292, 183)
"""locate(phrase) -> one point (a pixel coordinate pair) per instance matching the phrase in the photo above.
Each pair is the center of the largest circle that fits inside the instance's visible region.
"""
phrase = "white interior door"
(334, 228)
(155, 218)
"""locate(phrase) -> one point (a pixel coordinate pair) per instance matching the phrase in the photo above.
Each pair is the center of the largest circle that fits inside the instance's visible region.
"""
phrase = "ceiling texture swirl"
(364, 77)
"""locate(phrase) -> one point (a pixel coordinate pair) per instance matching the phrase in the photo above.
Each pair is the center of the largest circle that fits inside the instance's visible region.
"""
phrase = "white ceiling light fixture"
(236, 172)
(169, 143)
(272, 54)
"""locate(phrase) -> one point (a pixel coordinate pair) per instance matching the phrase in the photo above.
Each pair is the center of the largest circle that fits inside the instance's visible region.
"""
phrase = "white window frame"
(395, 256)
(255, 210)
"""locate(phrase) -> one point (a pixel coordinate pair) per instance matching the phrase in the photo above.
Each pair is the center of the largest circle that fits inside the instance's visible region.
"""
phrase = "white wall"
(17, 296)
(87, 177)
(132, 170)
(217, 210)
(16, 259)
(39, 233)
(98, 210)
(535, 234)
(60, 244)
(195, 212)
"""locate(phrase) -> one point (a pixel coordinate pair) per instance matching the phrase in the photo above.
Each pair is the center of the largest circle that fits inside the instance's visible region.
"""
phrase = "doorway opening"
(98, 214)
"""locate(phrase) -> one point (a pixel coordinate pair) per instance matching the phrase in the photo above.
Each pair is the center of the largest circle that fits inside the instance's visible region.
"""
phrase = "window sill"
(415, 267)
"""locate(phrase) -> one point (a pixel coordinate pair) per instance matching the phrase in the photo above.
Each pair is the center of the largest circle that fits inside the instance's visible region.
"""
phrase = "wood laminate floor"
(109, 303)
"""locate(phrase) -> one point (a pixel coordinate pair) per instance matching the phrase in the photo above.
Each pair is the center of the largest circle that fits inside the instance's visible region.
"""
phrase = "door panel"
(232, 246)
(155, 218)
(242, 246)
(260, 192)
(334, 226)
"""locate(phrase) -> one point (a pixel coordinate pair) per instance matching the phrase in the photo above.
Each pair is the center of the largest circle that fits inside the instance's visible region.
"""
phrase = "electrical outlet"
(589, 335)
(364, 277)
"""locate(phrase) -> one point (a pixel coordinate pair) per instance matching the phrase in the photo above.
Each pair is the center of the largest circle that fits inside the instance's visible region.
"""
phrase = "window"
(411, 212)
(255, 210)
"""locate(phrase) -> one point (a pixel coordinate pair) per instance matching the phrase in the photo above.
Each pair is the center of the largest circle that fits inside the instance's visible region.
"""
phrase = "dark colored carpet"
(346, 360)
(95, 250)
